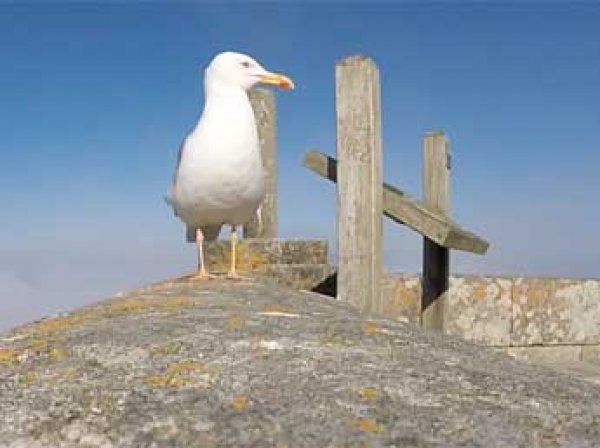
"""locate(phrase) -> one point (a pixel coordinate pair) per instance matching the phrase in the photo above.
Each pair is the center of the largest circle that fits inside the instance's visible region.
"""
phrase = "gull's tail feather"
(190, 234)
(211, 232)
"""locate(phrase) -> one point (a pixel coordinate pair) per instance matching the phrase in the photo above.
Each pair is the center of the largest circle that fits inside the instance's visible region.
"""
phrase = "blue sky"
(95, 99)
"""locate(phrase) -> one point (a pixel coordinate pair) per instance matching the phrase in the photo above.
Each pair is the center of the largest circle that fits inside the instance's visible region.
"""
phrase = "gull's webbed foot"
(202, 275)
(233, 275)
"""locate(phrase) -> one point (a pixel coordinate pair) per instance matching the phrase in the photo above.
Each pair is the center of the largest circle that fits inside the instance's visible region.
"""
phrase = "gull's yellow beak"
(277, 79)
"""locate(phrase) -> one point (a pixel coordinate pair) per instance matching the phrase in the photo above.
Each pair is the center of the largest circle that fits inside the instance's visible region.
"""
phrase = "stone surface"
(555, 311)
(401, 298)
(253, 254)
(297, 276)
(569, 359)
(531, 309)
(505, 311)
(298, 264)
(553, 354)
(225, 363)
(591, 354)
(480, 309)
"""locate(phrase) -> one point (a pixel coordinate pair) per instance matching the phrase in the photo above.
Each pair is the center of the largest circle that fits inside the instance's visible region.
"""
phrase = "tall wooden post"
(263, 103)
(359, 182)
(436, 259)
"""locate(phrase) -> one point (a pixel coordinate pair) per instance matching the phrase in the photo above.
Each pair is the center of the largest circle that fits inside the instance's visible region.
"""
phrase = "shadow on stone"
(328, 286)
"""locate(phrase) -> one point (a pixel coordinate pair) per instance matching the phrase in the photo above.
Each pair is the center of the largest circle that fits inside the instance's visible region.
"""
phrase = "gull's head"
(240, 70)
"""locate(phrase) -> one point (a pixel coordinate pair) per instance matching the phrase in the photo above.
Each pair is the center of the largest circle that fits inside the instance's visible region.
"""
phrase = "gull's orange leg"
(202, 273)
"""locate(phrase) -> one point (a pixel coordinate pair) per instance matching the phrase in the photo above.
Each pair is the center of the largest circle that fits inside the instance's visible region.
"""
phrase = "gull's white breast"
(220, 178)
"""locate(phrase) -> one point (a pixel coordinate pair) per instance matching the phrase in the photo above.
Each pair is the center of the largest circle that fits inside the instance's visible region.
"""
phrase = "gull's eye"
(245, 64)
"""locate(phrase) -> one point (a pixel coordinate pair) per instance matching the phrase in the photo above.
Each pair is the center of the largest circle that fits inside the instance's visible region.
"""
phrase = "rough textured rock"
(298, 264)
(556, 311)
(227, 363)
(575, 360)
(591, 354)
(562, 354)
(508, 311)
(255, 253)
(480, 308)
(401, 297)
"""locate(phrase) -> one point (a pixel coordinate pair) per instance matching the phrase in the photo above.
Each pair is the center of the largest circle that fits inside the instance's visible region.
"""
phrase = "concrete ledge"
(253, 254)
(401, 297)
(297, 276)
(298, 264)
(504, 311)
(555, 311)
(591, 354)
(480, 309)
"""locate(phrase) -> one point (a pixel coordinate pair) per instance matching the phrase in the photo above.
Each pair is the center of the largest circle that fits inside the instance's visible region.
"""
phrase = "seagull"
(219, 176)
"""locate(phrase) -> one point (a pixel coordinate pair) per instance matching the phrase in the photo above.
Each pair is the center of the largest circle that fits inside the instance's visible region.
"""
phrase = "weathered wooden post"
(436, 259)
(263, 103)
(359, 182)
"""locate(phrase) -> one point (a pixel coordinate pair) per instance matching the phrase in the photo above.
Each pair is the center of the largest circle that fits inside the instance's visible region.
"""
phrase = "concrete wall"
(530, 317)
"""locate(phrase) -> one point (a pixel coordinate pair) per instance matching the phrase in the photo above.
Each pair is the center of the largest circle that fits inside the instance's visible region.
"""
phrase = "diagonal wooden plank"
(404, 209)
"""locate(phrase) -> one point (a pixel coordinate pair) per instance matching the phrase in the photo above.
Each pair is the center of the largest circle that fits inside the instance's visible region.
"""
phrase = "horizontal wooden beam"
(409, 211)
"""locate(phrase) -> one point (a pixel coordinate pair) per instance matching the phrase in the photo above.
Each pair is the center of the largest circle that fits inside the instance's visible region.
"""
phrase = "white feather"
(219, 177)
